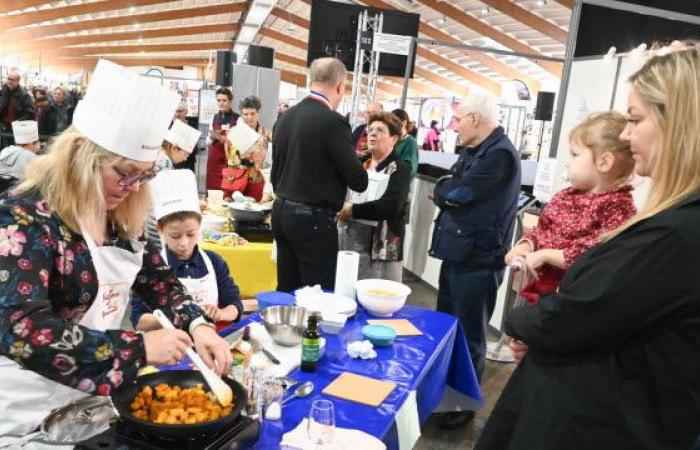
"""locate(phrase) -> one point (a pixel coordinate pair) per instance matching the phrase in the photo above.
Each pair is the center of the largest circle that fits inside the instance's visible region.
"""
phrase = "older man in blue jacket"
(477, 202)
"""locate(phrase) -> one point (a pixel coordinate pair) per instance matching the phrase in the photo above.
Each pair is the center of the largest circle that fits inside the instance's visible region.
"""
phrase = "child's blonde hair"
(600, 132)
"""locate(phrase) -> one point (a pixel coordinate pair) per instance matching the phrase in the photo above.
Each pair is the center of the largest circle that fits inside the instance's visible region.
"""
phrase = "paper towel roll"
(346, 273)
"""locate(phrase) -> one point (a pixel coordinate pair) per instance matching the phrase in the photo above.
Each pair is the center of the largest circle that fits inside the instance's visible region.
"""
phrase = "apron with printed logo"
(26, 397)
(204, 291)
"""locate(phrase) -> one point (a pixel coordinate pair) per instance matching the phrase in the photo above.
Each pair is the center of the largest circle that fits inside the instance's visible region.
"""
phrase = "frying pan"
(124, 396)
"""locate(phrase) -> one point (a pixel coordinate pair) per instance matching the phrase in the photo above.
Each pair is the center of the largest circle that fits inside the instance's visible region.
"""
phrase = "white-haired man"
(477, 202)
(312, 167)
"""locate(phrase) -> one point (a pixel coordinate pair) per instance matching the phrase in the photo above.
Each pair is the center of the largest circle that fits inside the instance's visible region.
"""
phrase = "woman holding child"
(613, 356)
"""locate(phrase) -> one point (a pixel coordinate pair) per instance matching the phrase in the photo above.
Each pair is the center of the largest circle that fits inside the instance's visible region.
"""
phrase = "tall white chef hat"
(183, 135)
(25, 131)
(125, 113)
(174, 191)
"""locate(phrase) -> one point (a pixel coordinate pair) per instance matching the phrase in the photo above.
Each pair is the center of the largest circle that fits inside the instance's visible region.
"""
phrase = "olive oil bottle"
(310, 345)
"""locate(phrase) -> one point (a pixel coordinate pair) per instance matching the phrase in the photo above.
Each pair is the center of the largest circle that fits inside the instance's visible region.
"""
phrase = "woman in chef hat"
(70, 257)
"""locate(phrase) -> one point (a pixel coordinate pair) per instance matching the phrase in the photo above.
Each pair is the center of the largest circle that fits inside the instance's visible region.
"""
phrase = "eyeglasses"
(127, 180)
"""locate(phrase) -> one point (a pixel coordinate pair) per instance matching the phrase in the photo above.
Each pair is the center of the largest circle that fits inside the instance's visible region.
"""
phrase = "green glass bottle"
(310, 345)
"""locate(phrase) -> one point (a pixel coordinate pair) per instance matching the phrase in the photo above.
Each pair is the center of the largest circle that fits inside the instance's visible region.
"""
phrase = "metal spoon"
(303, 390)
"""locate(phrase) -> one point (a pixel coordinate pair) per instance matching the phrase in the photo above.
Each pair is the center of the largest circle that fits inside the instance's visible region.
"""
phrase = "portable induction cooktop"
(121, 436)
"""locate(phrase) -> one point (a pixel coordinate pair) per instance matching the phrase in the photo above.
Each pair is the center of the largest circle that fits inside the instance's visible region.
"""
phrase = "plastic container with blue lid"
(379, 335)
(273, 298)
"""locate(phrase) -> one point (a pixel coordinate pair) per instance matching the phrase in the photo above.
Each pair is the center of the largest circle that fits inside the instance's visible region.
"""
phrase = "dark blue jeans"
(470, 294)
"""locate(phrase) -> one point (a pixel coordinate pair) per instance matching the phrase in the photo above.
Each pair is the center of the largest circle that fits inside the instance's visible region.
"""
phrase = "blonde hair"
(69, 177)
(600, 133)
(669, 84)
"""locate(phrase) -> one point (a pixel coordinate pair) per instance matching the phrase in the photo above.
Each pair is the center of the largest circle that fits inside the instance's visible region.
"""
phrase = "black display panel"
(333, 32)
(601, 27)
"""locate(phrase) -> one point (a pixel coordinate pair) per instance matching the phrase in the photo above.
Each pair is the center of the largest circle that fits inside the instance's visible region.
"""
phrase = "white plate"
(324, 301)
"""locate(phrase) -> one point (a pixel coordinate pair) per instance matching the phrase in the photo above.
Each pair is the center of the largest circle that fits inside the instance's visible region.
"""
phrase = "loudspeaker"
(260, 56)
(224, 67)
(545, 106)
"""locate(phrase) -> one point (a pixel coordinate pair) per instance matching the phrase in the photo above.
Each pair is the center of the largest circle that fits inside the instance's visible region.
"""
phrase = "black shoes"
(455, 419)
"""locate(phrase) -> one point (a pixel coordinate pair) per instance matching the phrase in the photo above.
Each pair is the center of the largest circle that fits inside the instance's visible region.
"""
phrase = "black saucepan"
(124, 396)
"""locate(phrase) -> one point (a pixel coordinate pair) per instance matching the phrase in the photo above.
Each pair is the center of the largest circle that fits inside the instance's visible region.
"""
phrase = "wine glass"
(321, 426)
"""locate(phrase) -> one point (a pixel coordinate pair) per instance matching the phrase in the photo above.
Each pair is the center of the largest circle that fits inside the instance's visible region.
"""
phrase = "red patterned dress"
(573, 221)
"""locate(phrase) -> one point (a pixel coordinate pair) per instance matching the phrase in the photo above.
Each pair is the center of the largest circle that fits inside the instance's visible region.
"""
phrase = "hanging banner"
(192, 98)
(207, 105)
(395, 44)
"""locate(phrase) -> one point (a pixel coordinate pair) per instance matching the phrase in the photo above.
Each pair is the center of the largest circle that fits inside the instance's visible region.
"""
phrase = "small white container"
(333, 323)
(382, 297)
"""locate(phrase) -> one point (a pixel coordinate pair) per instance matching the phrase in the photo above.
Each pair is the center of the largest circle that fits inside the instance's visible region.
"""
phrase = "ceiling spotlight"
(291, 27)
(140, 41)
(541, 2)
(136, 26)
(132, 9)
(443, 20)
(611, 53)
(485, 10)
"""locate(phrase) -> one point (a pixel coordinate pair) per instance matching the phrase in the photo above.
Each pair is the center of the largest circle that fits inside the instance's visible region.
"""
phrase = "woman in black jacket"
(375, 229)
(612, 359)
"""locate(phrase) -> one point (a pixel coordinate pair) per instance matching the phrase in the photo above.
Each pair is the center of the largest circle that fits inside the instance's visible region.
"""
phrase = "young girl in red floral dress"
(599, 200)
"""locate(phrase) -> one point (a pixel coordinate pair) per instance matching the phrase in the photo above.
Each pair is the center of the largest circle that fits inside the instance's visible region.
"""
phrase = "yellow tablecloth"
(250, 265)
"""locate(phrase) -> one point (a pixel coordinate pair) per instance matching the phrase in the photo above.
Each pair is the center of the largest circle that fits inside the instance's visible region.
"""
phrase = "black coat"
(614, 356)
(22, 101)
(313, 161)
(48, 122)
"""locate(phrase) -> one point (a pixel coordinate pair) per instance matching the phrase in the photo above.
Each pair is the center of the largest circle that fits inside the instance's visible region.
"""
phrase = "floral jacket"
(48, 282)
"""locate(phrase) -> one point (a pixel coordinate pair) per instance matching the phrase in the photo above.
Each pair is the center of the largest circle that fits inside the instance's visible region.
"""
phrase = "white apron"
(26, 397)
(204, 291)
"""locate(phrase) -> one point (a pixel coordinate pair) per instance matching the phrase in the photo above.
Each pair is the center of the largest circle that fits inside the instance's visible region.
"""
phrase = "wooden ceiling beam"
(530, 19)
(460, 70)
(483, 29)
(48, 44)
(15, 5)
(276, 35)
(147, 48)
(289, 17)
(568, 3)
(448, 84)
(44, 15)
(187, 13)
(494, 64)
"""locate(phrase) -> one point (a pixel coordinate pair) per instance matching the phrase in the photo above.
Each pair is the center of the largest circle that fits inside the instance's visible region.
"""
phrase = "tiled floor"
(494, 379)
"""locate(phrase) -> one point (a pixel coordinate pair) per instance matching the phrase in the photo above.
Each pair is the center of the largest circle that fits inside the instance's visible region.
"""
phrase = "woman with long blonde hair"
(613, 357)
(70, 256)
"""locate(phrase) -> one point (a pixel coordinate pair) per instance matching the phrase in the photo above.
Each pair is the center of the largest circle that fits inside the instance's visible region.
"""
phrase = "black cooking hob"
(121, 436)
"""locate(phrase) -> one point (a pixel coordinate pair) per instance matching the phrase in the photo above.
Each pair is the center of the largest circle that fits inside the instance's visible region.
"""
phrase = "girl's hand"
(518, 252)
(534, 261)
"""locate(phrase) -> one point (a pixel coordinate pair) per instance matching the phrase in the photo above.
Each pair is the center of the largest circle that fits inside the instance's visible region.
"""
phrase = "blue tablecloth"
(424, 363)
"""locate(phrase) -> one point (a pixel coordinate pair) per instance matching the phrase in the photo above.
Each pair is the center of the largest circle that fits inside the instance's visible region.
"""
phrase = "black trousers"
(307, 245)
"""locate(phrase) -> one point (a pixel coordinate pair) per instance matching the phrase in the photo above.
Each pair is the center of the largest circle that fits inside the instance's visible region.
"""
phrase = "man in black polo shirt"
(313, 165)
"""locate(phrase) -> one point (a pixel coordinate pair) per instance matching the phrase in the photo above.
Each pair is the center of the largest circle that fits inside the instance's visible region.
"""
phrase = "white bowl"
(387, 298)
(327, 302)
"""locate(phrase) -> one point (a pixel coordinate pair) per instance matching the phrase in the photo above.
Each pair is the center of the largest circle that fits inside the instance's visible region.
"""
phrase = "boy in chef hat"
(180, 141)
(15, 158)
(204, 274)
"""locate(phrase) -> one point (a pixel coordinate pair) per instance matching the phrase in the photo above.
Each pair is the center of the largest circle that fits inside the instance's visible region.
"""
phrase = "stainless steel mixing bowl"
(285, 323)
